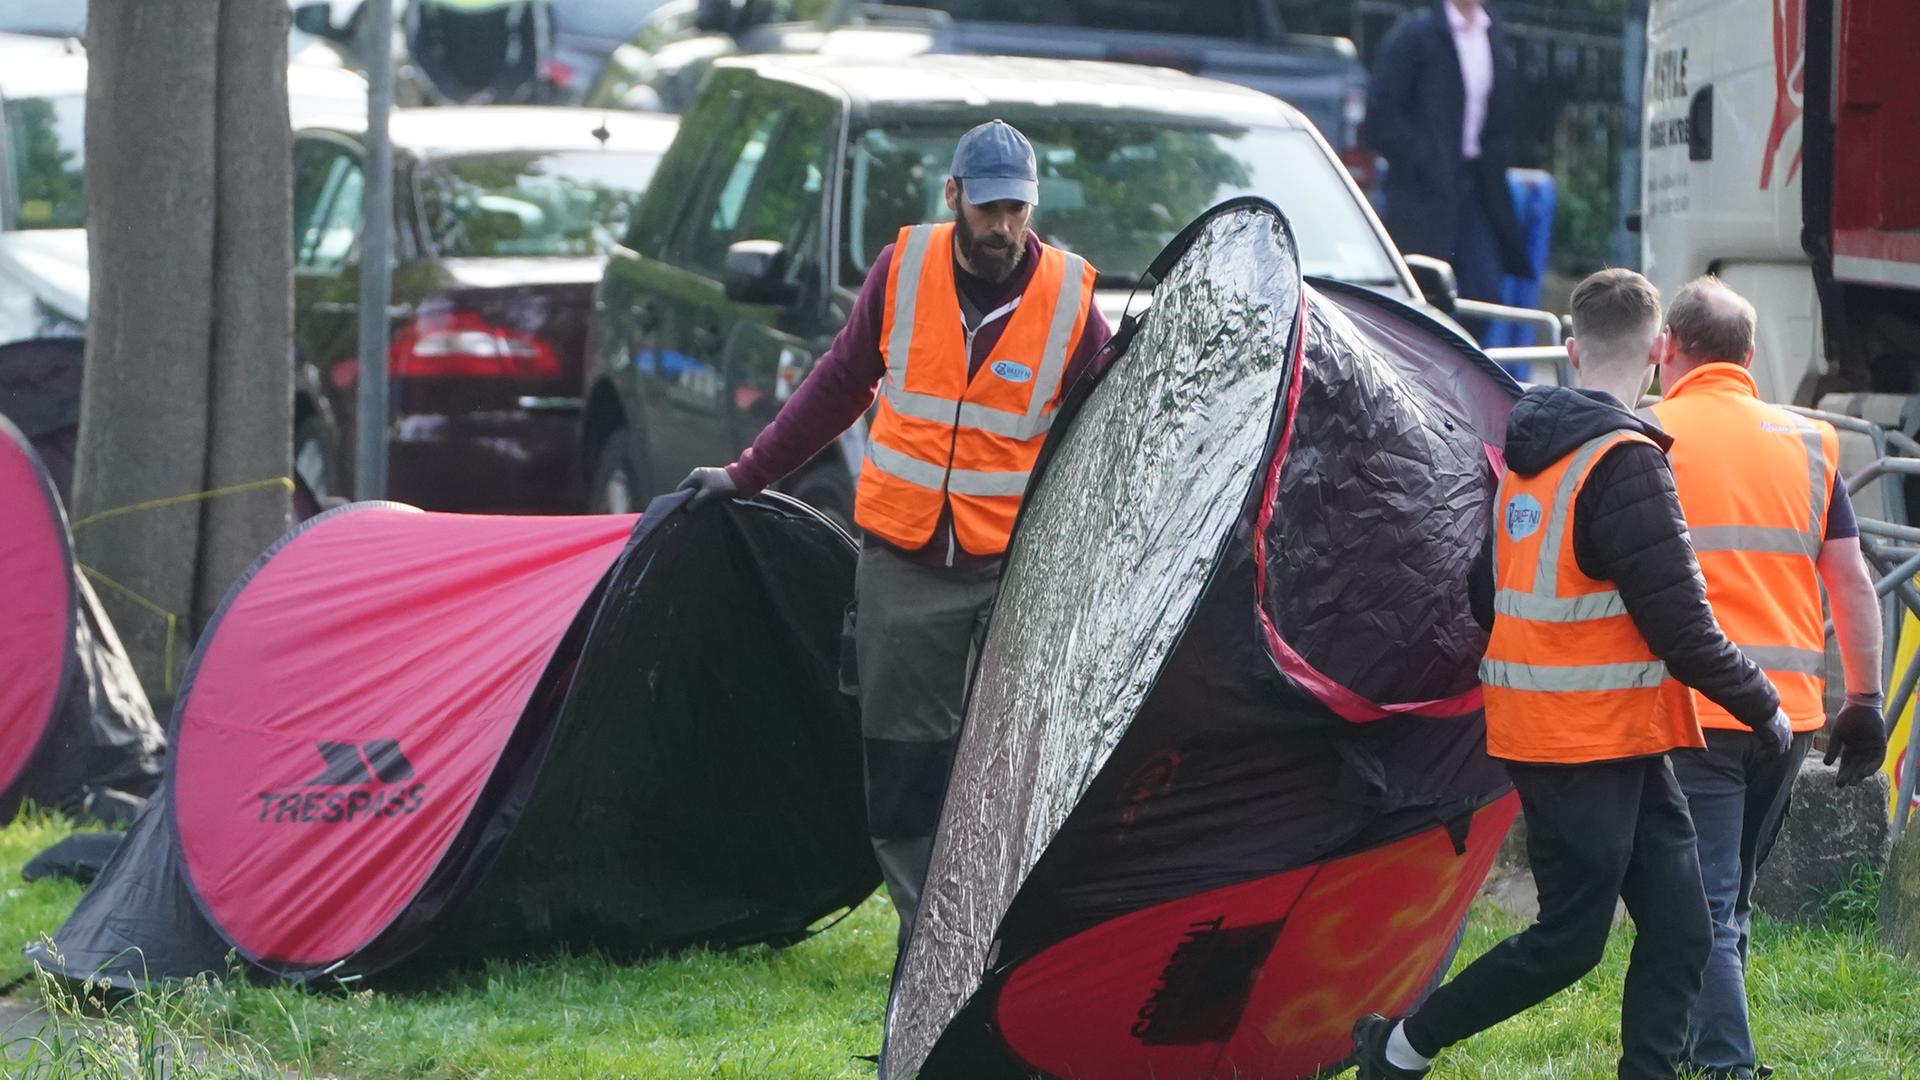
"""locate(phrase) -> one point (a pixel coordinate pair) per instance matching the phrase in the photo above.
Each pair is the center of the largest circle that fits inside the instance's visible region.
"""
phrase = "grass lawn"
(28, 911)
(1827, 1003)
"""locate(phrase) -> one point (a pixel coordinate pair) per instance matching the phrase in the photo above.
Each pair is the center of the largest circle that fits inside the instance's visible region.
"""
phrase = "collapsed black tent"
(434, 738)
(1222, 786)
(76, 731)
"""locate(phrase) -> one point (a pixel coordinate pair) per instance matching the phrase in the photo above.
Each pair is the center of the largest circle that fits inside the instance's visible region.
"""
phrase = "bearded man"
(970, 333)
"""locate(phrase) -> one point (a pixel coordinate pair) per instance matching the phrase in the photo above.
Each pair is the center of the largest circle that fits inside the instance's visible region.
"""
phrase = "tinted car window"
(556, 203)
(328, 185)
(1118, 192)
(55, 18)
(45, 142)
(703, 127)
(1215, 18)
(790, 192)
(713, 221)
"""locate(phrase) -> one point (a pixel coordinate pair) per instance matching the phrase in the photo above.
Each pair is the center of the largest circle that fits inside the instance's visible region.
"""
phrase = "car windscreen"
(45, 141)
(52, 18)
(571, 202)
(1118, 192)
(1214, 18)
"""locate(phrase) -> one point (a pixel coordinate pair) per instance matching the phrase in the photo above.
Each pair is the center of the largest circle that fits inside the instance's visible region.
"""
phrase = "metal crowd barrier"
(1545, 325)
(1892, 549)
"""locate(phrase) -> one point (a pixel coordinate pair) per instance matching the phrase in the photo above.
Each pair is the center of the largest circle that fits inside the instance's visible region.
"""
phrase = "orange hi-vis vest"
(1567, 676)
(1754, 481)
(940, 437)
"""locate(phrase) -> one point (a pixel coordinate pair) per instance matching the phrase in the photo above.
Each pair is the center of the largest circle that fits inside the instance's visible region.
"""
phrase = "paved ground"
(1512, 890)
(19, 1017)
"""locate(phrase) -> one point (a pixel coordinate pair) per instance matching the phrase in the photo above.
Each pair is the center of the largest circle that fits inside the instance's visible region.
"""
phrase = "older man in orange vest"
(971, 331)
(1771, 522)
(1600, 627)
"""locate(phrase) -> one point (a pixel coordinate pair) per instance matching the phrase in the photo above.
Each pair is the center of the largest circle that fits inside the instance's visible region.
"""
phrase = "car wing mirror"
(756, 273)
(715, 16)
(1436, 281)
(317, 19)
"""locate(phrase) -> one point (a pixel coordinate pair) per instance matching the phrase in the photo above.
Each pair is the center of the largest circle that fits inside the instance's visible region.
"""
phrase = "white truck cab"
(1782, 152)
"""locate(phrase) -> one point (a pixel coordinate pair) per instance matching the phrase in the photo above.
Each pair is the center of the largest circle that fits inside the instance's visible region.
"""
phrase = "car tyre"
(617, 477)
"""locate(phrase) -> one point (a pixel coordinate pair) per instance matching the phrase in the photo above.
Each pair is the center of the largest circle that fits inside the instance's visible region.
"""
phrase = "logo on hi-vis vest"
(1523, 517)
(1012, 372)
(356, 782)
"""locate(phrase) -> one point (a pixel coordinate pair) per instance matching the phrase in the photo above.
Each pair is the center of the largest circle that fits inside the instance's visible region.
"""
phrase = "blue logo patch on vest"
(1012, 372)
(1523, 517)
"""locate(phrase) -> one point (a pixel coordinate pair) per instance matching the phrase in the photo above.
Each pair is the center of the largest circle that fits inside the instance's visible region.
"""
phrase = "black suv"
(789, 174)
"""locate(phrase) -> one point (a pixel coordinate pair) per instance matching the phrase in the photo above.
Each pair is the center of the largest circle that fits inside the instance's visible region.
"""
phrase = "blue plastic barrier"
(1534, 195)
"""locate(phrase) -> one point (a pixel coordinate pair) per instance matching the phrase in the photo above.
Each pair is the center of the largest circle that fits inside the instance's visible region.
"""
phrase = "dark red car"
(502, 217)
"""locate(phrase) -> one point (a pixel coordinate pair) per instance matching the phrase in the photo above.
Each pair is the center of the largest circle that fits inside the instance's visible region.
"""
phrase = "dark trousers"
(1738, 796)
(916, 631)
(1476, 248)
(1594, 833)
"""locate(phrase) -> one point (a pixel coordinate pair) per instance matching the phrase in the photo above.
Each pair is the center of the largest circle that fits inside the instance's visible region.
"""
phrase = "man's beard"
(996, 264)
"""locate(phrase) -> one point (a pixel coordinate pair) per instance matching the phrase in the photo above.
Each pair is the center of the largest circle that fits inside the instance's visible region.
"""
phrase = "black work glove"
(1859, 740)
(708, 484)
(1776, 735)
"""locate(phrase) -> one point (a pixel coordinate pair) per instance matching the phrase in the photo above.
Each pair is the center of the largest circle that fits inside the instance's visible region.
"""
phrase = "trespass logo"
(370, 781)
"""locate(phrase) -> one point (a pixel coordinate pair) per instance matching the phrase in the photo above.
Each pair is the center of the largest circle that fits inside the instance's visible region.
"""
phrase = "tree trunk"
(188, 384)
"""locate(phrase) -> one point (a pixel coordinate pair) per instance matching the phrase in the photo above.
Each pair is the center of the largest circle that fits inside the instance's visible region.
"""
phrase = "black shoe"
(1370, 1034)
(1726, 1072)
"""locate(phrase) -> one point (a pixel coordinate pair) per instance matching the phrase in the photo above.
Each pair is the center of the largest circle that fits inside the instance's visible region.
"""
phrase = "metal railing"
(1892, 549)
(1549, 333)
(1554, 356)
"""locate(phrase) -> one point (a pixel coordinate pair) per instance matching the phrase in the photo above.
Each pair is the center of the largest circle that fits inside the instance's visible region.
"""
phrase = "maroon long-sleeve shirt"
(842, 386)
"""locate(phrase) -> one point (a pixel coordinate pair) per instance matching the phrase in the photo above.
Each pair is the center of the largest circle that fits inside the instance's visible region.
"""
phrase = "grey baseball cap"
(995, 162)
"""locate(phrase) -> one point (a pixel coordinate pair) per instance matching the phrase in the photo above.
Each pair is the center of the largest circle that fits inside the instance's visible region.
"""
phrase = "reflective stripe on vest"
(1551, 678)
(1544, 604)
(1756, 483)
(993, 425)
(934, 477)
(1038, 418)
(1567, 676)
(1780, 540)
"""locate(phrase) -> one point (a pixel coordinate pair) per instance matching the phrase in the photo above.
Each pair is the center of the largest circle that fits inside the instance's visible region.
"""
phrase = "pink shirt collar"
(1481, 20)
(1459, 24)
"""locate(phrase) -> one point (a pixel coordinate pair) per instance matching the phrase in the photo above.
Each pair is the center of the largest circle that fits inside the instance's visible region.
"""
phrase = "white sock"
(1400, 1052)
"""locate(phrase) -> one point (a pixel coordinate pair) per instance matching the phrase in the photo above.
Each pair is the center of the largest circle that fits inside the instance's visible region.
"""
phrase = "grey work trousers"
(1738, 796)
(916, 631)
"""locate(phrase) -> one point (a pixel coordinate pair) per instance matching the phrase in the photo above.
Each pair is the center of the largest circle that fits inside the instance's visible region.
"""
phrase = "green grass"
(1827, 1003)
(758, 1014)
(28, 911)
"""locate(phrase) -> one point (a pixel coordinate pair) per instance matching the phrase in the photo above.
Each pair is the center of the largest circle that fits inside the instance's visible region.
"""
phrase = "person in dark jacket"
(1440, 108)
(1585, 682)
